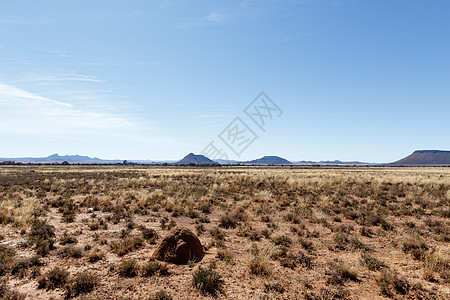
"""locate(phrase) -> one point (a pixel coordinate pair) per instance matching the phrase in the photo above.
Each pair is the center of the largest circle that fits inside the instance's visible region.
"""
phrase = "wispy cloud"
(122, 63)
(21, 107)
(11, 92)
(62, 78)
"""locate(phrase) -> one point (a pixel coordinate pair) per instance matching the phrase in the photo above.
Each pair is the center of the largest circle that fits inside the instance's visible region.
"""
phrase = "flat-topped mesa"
(425, 157)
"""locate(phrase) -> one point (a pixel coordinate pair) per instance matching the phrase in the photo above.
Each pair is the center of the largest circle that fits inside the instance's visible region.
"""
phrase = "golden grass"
(264, 227)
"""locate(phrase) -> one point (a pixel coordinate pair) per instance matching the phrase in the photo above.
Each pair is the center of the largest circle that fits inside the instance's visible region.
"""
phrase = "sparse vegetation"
(326, 232)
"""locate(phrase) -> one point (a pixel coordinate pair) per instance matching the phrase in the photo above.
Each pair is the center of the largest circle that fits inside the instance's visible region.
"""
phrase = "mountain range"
(418, 158)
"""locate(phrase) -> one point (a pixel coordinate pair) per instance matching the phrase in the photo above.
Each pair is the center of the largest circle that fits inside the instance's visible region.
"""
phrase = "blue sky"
(355, 79)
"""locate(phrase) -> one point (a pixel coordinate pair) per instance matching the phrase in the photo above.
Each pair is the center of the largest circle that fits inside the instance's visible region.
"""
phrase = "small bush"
(71, 251)
(6, 254)
(149, 234)
(20, 266)
(55, 278)
(83, 283)
(292, 260)
(224, 255)
(41, 234)
(127, 245)
(206, 209)
(153, 268)
(260, 265)
(371, 262)
(226, 221)
(282, 240)
(389, 281)
(207, 281)
(68, 239)
(340, 273)
(95, 255)
(274, 287)
(217, 234)
(192, 214)
(161, 295)
(128, 268)
(416, 245)
(341, 240)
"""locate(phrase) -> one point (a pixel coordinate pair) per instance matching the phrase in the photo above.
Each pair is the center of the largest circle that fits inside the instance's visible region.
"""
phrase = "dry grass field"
(270, 233)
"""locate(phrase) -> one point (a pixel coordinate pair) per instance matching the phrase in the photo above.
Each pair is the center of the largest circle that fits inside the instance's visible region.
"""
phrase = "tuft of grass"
(371, 262)
(95, 255)
(226, 221)
(126, 245)
(274, 287)
(282, 240)
(128, 268)
(389, 282)
(225, 255)
(416, 245)
(260, 265)
(153, 268)
(207, 281)
(340, 273)
(149, 234)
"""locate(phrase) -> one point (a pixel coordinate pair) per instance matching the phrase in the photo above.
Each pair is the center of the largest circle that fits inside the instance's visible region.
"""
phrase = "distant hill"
(425, 157)
(269, 160)
(192, 158)
(55, 158)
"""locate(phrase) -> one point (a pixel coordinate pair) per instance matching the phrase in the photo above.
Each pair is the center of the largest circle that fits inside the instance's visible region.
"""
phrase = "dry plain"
(89, 232)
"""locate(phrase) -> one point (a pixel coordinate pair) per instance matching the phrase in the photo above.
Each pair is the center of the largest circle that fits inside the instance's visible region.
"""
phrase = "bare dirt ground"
(89, 232)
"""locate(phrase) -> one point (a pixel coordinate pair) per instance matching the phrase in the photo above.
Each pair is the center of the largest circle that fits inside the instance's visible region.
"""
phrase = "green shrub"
(207, 281)
(128, 268)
